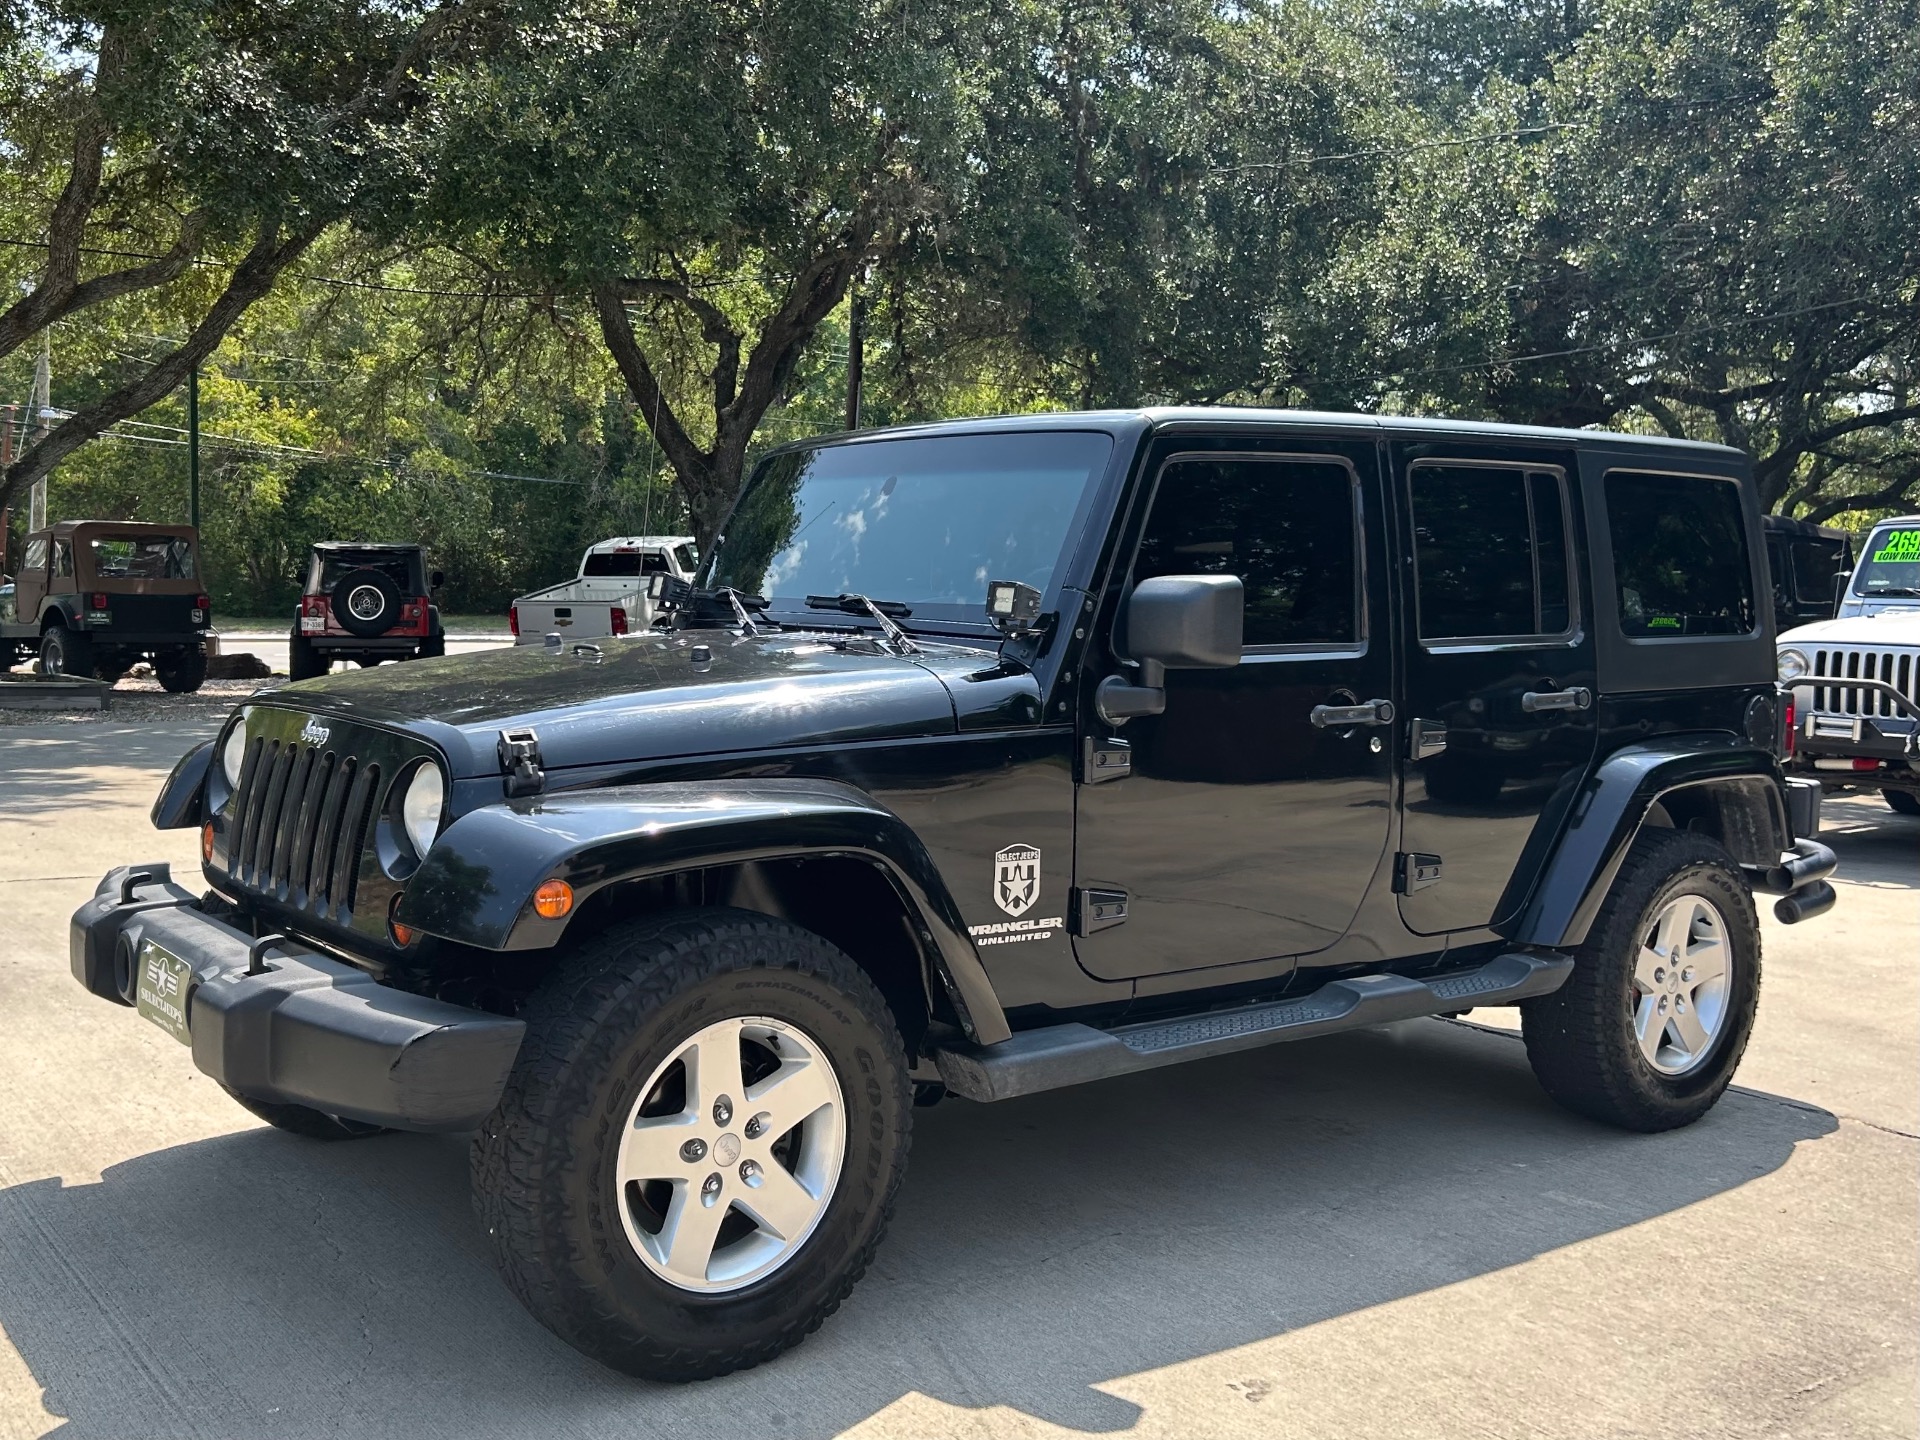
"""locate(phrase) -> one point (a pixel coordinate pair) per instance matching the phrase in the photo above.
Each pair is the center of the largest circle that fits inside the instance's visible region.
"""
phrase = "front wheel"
(66, 652)
(699, 1146)
(1648, 1030)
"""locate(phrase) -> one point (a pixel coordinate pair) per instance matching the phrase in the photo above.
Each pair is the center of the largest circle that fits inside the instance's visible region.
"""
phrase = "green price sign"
(1901, 547)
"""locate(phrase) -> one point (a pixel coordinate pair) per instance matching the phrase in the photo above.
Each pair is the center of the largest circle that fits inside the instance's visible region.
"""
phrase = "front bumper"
(305, 1029)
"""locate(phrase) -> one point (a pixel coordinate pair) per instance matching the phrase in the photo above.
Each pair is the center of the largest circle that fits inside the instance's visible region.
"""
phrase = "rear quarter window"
(1680, 559)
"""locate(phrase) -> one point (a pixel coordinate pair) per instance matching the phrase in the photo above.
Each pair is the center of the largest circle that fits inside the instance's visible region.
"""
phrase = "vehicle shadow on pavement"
(257, 1283)
(46, 768)
(1874, 846)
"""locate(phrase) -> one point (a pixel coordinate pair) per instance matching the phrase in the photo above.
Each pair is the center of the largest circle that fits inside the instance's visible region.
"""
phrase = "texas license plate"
(160, 994)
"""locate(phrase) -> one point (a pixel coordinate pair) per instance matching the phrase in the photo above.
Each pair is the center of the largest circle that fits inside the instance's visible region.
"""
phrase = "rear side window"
(1680, 559)
(1490, 551)
(1286, 527)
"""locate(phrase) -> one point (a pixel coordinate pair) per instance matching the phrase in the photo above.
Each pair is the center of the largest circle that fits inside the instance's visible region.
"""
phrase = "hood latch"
(520, 763)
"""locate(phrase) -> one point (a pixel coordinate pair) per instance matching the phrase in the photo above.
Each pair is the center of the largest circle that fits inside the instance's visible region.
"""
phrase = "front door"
(1246, 827)
(1499, 675)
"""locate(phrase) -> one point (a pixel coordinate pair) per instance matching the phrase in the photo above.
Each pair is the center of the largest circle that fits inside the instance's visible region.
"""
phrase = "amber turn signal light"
(553, 899)
(402, 934)
(206, 842)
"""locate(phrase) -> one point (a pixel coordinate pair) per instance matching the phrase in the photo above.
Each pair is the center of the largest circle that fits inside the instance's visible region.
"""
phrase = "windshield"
(925, 523)
(1891, 563)
(117, 557)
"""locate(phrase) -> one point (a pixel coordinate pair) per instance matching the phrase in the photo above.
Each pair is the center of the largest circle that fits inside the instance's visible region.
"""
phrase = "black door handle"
(1374, 712)
(1577, 698)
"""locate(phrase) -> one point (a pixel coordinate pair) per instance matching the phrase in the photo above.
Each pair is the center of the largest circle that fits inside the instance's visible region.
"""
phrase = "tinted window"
(1679, 555)
(1285, 527)
(1890, 564)
(1490, 551)
(926, 522)
(625, 562)
(402, 569)
(1815, 563)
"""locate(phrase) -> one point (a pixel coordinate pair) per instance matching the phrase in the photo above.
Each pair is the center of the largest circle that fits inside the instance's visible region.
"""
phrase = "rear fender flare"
(476, 884)
(1616, 801)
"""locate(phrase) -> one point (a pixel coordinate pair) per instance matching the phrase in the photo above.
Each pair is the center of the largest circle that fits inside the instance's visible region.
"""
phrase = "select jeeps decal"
(1016, 888)
(1016, 879)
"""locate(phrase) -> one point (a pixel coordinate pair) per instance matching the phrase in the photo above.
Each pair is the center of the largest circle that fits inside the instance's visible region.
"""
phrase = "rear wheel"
(181, 671)
(1648, 1030)
(66, 652)
(1903, 802)
(306, 1122)
(303, 661)
(699, 1147)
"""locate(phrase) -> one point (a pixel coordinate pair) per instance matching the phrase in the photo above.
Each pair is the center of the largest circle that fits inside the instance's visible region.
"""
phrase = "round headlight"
(420, 811)
(233, 754)
(1792, 666)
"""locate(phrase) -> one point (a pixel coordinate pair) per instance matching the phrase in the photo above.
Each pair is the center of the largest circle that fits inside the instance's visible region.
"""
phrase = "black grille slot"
(300, 821)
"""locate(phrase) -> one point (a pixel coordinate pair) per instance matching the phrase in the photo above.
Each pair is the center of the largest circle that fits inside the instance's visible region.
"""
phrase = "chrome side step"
(1057, 1055)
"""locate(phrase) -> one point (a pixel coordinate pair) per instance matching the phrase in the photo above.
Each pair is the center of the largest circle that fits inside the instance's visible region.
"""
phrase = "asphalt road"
(1387, 1234)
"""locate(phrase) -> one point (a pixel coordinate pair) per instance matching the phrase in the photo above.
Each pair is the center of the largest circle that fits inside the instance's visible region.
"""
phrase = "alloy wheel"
(1681, 983)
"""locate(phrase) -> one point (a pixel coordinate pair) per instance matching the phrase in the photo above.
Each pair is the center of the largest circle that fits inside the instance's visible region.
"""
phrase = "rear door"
(1499, 671)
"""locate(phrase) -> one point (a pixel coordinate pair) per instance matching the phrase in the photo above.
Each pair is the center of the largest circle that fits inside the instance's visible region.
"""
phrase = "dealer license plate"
(161, 992)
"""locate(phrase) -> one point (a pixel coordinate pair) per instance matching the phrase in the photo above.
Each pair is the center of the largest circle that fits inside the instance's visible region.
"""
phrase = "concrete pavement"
(1387, 1234)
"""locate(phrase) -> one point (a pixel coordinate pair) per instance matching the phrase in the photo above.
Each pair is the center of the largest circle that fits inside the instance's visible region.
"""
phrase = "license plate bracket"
(161, 992)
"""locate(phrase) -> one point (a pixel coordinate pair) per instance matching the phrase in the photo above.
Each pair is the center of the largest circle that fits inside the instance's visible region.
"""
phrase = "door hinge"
(521, 767)
(1095, 910)
(1104, 760)
(1415, 872)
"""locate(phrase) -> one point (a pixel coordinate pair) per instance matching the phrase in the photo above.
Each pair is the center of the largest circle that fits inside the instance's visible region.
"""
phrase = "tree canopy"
(509, 276)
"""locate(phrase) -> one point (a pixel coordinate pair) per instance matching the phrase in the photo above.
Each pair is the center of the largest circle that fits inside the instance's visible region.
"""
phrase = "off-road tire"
(611, 1014)
(382, 620)
(181, 672)
(66, 652)
(1902, 802)
(1580, 1039)
(306, 1122)
(303, 661)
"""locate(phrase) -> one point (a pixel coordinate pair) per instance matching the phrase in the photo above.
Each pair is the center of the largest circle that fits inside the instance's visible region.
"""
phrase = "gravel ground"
(140, 698)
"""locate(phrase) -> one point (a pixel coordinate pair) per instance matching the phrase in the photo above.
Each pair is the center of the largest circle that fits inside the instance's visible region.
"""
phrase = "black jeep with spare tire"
(982, 759)
(364, 603)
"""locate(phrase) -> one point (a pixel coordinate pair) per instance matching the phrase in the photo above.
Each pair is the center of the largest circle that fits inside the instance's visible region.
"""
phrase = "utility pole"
(856, 351)
(193, 447)
(42, 422)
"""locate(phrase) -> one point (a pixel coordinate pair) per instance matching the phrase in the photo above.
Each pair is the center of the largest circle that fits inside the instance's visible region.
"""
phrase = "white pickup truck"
(609, 595)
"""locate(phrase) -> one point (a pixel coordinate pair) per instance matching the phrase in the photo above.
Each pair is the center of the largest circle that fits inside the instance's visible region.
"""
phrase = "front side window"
(1285, 526)
(1890, 564)
(1680, 562)
(923, 522)
(117, 557)
(36, 556)
(1490, 551)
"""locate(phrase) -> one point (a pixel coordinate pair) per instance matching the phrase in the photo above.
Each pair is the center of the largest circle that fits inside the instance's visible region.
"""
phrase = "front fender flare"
(1612, 806)
(476, 884)
(180, 804)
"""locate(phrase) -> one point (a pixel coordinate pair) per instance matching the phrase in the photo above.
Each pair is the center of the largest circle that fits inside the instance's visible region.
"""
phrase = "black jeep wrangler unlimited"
(987, 758)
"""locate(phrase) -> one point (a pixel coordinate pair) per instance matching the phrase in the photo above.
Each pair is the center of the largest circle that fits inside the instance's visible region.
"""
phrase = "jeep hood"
(647, 696)
(1893, 626)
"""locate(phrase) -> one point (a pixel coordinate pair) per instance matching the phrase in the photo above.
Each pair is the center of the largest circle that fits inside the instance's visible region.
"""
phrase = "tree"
(702, 181)
(234, 135)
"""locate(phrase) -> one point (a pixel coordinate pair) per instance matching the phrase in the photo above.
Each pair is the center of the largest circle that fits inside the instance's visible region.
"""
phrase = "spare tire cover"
(366, 602)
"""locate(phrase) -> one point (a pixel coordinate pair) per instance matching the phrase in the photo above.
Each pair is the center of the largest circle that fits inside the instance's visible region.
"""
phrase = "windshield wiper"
(882, 610)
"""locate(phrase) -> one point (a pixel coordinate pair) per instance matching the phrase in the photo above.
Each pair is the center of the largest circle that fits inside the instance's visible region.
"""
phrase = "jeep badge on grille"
(315, 733)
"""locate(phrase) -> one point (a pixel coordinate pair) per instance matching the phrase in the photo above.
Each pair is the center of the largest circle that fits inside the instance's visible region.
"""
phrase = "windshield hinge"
(520, 764)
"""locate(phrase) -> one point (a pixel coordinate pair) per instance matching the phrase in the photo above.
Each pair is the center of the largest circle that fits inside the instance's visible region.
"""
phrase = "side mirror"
(436, 579)
(1174, 622)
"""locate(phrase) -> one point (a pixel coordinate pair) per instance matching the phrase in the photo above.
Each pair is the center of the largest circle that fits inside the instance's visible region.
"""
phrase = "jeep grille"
(1859, 662)
(299, 822)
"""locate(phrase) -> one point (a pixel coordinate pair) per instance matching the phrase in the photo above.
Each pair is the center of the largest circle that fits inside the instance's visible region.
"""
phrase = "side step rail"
(1057, 1055)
